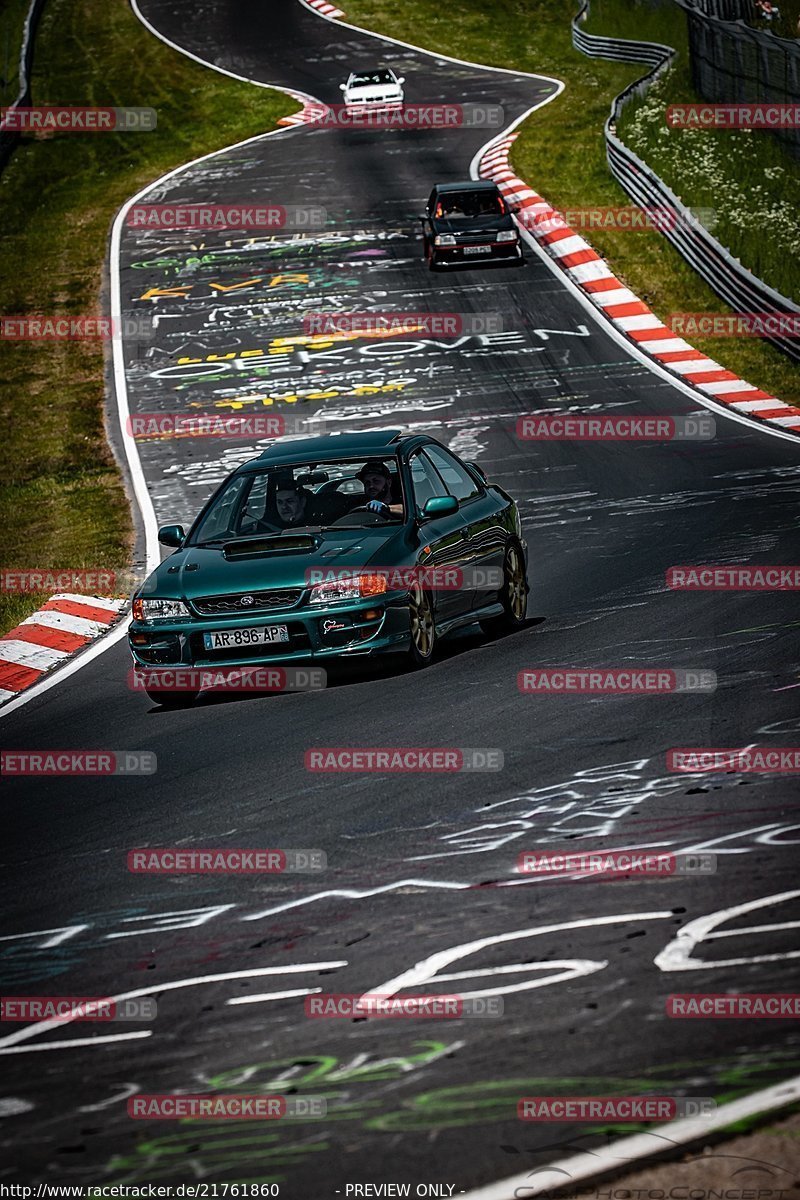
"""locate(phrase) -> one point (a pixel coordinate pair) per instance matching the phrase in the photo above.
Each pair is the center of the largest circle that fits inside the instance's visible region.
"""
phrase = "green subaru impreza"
(332, 547)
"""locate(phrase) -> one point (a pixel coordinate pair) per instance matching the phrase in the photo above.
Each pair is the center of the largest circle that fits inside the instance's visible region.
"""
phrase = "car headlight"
(355, 587)
(159, 610)
(507, 235)
(444, 239)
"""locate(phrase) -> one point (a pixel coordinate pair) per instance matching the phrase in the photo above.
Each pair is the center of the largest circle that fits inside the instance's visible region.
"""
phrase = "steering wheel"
(362, 508)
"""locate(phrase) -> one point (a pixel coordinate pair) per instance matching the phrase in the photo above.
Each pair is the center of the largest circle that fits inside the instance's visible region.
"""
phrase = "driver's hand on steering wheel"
(377, 506)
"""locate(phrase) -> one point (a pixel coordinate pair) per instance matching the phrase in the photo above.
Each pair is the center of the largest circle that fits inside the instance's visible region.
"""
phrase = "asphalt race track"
(418, 865)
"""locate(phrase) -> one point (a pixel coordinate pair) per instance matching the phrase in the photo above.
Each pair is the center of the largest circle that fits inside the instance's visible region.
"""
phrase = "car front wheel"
(423, 627)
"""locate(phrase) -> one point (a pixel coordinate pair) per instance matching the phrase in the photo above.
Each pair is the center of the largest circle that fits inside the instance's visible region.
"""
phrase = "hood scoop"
(280, 544)
(335, 551)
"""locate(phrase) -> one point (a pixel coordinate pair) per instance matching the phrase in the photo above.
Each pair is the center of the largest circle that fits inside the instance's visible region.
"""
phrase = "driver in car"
(377, 480)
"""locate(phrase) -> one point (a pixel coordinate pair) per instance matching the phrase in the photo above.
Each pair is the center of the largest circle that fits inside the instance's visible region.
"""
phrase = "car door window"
(425, 481)
(457, 479)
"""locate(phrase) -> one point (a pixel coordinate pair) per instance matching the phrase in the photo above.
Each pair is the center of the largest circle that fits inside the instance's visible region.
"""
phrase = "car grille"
(271, 601)
(386, 98)
(468, 239)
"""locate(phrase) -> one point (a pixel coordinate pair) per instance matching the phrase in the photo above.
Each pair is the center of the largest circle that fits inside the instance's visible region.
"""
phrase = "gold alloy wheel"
(423, 630)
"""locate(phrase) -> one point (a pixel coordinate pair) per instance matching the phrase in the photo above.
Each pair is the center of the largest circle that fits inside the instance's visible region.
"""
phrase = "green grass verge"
(748, 178)
(561, 150)
(62, 503)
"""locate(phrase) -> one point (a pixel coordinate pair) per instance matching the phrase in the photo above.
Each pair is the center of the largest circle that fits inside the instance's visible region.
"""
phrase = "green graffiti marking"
(244, 1151)
(209, 1148)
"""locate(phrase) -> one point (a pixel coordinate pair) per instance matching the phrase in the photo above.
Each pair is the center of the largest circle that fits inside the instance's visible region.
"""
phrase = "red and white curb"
(322, 6)
(61, 627)
(622, 307)
(312, 110)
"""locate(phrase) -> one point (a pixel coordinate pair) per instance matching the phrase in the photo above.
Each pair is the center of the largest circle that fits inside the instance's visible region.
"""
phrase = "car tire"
(513, 594)
(172, 699)
(422, 623)
(430, 255)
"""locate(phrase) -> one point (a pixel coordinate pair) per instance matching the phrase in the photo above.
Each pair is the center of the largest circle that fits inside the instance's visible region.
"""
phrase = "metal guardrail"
(738, 287)
(9, 138)
(732, 61)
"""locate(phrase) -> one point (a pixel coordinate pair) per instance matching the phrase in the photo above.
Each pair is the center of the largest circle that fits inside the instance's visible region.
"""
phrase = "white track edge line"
(581, 1167)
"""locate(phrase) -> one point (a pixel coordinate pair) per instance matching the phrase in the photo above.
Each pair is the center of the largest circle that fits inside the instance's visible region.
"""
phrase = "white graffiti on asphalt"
(674, 957)
(677, 956)
(589, 804)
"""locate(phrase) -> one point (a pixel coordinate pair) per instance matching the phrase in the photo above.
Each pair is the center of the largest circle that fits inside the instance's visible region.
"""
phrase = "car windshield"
(310, 495)
(371, 77)
(461, 205)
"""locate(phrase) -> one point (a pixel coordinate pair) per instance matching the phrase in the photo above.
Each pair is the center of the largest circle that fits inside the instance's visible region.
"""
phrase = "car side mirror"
(478, 469)
(171, 535)
(342, 87)
(402, 79)
(439, 506)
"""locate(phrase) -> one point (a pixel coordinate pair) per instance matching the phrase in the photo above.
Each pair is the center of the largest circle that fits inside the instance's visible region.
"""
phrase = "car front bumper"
(356, 107)
(353, 629)
(472, 253)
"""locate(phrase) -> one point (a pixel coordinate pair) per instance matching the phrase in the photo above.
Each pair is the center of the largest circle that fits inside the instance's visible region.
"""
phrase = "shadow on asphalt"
(367, 670)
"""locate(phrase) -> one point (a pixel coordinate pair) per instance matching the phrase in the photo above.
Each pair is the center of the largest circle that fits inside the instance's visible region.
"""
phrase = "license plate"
(231, 639)
(477, 249)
